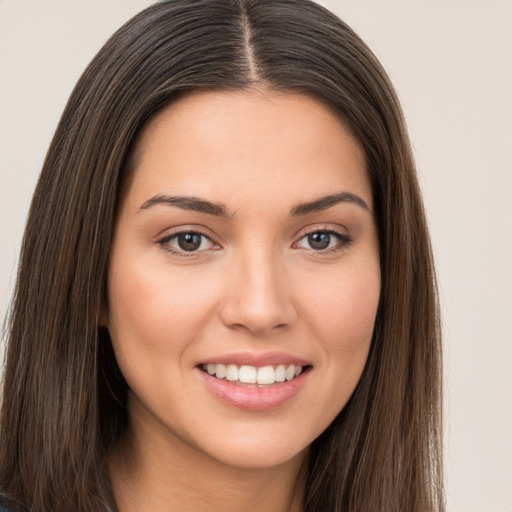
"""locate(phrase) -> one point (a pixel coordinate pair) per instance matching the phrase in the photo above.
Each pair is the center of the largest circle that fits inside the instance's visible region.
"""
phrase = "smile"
(257, 387)
(247, 375)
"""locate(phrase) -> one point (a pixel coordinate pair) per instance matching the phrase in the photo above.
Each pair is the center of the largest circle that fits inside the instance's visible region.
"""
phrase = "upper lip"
(272, 358)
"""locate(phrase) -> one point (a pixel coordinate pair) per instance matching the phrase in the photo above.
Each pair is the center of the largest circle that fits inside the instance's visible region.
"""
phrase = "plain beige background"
(451, 61)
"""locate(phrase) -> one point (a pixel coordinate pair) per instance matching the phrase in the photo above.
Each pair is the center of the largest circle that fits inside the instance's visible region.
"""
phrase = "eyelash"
(165, 243)
(343, 241)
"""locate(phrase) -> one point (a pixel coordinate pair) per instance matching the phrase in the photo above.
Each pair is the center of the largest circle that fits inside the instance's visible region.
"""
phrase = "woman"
(226, 294)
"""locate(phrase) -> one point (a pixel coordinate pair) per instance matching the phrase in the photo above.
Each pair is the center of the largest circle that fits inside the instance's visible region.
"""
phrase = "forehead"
(235, 145)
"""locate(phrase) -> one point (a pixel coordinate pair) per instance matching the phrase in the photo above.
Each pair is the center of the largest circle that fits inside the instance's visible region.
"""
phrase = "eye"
(323, 241)
(187, 242)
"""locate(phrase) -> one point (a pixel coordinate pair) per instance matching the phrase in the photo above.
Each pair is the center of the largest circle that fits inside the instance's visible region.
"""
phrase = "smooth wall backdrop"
(451, 61)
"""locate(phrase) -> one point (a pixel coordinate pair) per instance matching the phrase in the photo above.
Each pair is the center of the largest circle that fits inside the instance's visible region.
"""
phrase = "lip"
(252, 398)
(256, 359)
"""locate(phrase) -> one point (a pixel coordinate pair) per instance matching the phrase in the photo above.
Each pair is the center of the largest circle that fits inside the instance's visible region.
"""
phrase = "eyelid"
(344, 238)
(324, 227)
(163, 241)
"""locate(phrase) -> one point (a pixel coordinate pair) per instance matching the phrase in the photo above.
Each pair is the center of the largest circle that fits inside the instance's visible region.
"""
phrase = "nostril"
(257, 317)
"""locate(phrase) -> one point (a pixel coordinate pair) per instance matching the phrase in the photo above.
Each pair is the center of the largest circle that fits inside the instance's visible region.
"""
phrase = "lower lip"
(251, 398)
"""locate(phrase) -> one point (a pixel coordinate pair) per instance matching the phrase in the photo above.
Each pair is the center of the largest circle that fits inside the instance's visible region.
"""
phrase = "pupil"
(189, 241)
(319, 240)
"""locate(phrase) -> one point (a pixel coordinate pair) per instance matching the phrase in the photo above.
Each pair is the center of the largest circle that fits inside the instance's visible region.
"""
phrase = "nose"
(259, 296)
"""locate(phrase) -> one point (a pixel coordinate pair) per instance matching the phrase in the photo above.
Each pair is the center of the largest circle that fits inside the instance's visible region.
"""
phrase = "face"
(244, 276)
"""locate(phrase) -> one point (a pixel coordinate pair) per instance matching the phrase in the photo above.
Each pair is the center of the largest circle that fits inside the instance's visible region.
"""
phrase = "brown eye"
(189, 241)
(186, 242)
(319, 240)
(324, 241)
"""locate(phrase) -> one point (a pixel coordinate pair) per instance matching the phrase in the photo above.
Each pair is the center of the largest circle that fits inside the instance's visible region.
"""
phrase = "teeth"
(266, 375)
(220, 371)
(232, 372)
(281, 373)
(290, 372)
(246, 374)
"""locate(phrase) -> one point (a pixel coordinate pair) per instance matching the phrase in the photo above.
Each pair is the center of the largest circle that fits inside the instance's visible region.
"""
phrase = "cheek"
(339, 309)
(150, 305)
(342, 309)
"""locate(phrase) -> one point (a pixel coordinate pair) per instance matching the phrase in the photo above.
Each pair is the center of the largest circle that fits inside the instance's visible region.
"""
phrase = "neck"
(159, 475)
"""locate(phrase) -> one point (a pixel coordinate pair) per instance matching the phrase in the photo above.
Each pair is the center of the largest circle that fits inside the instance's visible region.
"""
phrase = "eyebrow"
(326, 202)
(188, 203)
(219, 210)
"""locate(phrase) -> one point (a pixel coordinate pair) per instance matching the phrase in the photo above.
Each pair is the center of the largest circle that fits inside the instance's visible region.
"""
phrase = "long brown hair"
(64, 397)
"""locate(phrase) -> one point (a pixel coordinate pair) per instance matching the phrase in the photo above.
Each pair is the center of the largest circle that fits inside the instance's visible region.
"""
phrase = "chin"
(258, 455)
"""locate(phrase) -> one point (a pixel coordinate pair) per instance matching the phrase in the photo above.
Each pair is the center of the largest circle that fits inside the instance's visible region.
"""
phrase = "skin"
(255, 285)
